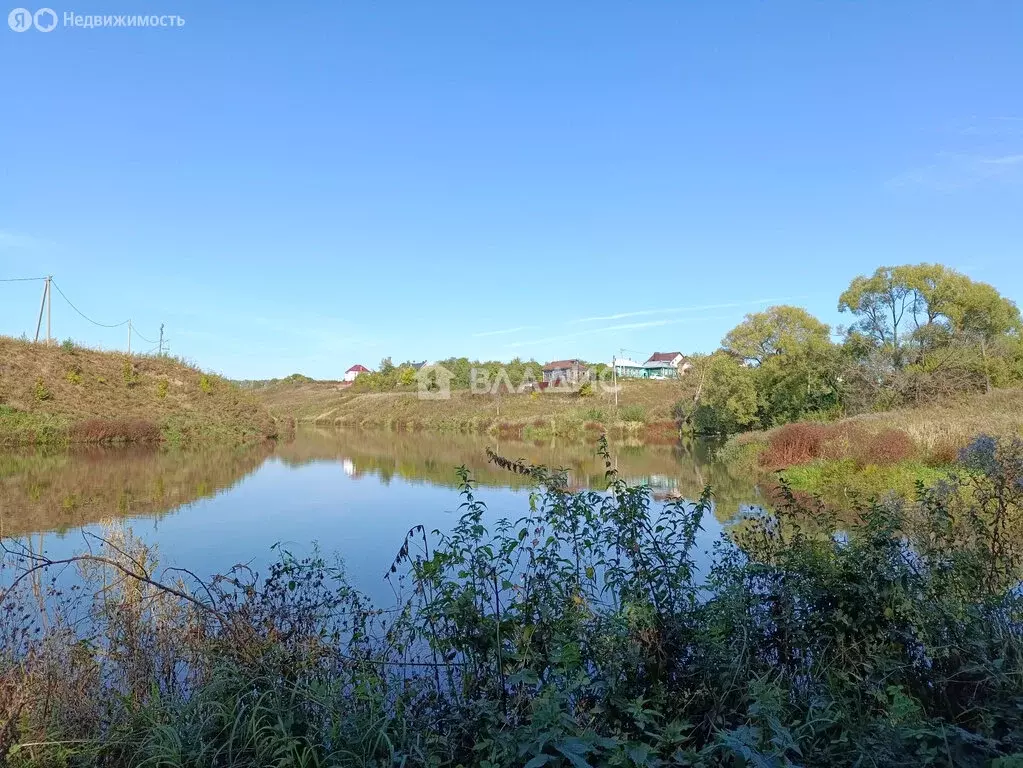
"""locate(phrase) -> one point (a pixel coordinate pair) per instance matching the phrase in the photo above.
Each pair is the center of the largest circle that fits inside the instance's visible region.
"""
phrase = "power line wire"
(136, 332)
(76, 309)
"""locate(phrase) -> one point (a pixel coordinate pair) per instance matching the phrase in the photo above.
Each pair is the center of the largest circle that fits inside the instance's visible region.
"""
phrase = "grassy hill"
(70, 394)
(643, 410)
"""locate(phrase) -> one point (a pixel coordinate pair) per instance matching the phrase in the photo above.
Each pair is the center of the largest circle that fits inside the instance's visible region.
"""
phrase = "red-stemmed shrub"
(795, 444)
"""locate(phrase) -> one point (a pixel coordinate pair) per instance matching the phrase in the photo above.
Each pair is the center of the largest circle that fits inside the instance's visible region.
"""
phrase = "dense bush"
(582, 634)
(795, 444)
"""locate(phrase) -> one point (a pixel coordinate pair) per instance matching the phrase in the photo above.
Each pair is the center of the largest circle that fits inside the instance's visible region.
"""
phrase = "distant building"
(625, 368)
(665, 365)
(564, 372)
(420, 366)
(356, 370)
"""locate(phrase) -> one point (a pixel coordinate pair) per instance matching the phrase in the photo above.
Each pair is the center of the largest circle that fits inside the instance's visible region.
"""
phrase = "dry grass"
(58, 394)
(644, 409)
(937, 428)
(802, 443)
(933, 434)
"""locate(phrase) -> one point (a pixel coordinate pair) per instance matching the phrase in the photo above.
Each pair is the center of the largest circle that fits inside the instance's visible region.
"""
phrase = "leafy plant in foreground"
(589, 631)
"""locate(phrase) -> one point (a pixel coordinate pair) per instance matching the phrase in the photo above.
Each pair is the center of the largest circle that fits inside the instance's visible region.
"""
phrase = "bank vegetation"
(591, 631)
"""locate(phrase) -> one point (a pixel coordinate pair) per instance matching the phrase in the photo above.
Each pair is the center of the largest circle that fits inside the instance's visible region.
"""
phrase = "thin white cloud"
(677, 310)
(1006, 160)
(504, 332)
(611, 329)
(954, 172)
(590, 332)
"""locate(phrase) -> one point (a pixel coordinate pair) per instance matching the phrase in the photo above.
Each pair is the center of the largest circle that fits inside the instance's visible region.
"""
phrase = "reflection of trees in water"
(680, 470)
(54, 491)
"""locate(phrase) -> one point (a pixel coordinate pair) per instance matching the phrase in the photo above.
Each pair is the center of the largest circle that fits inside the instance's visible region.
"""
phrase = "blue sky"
(301, 187)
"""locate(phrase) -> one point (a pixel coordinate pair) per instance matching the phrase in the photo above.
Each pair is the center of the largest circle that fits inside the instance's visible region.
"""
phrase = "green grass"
(633, 414)
(25, 428)
(741, 452)
(840, 481)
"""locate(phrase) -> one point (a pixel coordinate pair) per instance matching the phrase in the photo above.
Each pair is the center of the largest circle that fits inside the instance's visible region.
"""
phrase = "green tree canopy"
(776, 331)
(922, 304)
(725, 399)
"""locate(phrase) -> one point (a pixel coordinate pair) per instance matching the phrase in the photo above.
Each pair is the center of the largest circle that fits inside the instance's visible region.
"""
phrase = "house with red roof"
(356, 370)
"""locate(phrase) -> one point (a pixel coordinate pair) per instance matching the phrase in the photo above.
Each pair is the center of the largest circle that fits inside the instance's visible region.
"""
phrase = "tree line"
(391, 377)
(919, 334)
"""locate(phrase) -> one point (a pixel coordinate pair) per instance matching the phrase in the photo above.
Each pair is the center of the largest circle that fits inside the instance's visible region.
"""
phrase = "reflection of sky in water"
(361, 518)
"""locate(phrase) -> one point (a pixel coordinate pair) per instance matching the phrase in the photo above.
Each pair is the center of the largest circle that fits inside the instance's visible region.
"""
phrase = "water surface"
(351, 493)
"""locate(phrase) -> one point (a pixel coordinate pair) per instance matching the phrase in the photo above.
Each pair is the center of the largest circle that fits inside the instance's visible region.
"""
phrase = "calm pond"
(355, 494)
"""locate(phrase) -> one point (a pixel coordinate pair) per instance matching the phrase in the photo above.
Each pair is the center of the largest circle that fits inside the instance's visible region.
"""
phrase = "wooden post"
(49, 308)
(614, 377)
(42, 306)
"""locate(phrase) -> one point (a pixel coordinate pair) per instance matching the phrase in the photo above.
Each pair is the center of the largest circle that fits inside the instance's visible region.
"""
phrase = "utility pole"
(44, 305)
(49, 309)
(129, 337)
(614, 377)
(161, 340)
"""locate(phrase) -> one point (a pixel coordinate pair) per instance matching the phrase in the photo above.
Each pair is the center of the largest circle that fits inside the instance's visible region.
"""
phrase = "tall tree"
(883, 302)
(776, 331)
(922, 305)
(977, 308)
(719, 395)
(795, 363)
